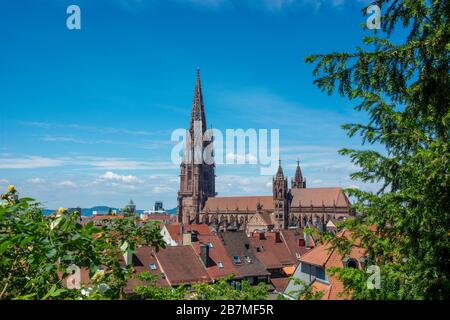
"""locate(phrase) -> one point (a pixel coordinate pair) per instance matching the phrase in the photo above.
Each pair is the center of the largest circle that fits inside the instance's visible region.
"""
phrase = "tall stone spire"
(280, 171)
(198, 108)
(298, 182)
(281, 197)
(197, 178)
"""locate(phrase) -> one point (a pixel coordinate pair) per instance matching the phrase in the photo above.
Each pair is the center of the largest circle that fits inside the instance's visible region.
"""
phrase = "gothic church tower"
(197, 177)
(281, 198)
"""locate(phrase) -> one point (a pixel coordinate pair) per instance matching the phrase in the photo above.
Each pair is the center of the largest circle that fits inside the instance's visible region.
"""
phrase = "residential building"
(314, 266)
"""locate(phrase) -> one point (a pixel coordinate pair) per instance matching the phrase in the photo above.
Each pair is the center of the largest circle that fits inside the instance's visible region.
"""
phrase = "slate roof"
(238, 245)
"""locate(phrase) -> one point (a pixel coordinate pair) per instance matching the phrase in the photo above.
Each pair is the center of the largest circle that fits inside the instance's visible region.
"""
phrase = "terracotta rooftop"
(220, 264)
(326, 256)
(294, 240)
(144, 260)
(181, 265)
(175, 230)
(318, 197)
(238, 203)
(280, 284)
(271, 250)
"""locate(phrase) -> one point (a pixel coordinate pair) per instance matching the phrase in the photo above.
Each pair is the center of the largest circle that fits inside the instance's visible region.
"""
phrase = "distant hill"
(172, 211)
(88, 211)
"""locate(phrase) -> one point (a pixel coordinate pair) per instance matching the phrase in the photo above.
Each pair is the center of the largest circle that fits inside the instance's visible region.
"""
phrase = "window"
(236, 260)
(350, 263)
(320, 273)
(220, 264)
(210, 244)
(152, 266)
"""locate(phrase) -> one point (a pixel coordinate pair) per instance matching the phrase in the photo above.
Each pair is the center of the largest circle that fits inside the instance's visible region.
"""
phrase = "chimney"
(204, 254)
(187, 239)
(307, 240)
(277, 236)
(194, 236)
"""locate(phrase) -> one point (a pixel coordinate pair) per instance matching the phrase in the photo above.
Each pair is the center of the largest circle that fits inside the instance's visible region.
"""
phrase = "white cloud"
(29, 162)
(162, 189)
(67, 184)
(36, 181)
(114, 177)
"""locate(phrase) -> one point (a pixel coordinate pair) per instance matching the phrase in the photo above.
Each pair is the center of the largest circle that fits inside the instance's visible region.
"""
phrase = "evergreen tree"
(404, 89)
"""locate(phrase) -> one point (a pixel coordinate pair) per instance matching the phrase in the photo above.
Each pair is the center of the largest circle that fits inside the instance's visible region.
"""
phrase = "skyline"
(92, 110)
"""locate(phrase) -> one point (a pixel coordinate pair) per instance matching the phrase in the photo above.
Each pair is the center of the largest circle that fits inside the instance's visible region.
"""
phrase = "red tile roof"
(222, 204)
(273, 254)
(293, 238)
(280, 284)
(326, 256)
(318, 197)
(142, 259)
(175, 230)
(101, 217)
(217, 253)
(181, 265)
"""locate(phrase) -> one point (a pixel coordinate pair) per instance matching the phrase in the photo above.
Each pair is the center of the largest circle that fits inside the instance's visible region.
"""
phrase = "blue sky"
(86, 115)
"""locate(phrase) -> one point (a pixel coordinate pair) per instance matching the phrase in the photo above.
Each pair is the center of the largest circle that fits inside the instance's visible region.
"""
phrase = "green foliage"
(36, 251)
(221, 290)
(404, 89)
(151, 291)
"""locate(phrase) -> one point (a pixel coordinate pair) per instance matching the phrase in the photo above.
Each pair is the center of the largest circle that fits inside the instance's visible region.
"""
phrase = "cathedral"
(287, 207)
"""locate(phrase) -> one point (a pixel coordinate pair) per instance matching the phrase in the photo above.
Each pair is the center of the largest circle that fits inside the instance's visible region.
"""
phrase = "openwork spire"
(198, 108)
(280, 170)
(298, 181)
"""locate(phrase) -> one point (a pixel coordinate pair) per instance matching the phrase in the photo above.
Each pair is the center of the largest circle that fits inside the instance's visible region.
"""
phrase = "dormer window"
(236, 260)
(350, 263)
(210, 244)
(248, 259)
(220, 264)
(152, 266)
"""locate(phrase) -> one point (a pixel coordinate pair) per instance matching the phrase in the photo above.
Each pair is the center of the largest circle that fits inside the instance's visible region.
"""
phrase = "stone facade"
(294, 207)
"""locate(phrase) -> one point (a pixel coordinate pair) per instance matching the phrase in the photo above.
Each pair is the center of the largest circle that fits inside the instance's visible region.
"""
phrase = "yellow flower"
(61, 211)
(98, 275)
(11, 188)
